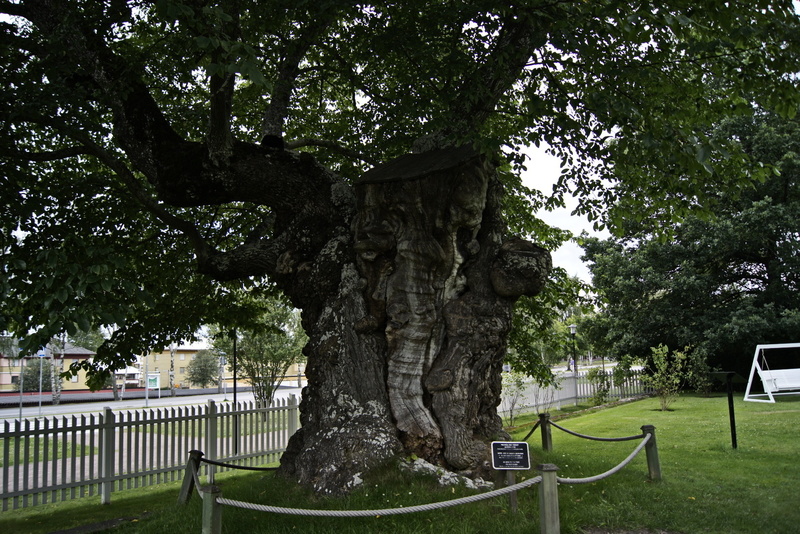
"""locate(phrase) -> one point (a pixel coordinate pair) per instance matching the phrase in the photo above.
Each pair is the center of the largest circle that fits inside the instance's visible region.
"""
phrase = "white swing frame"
(775, 382)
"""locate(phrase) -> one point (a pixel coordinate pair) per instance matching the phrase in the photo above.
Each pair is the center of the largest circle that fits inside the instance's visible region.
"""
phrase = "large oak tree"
(161, 157)
(720, 286)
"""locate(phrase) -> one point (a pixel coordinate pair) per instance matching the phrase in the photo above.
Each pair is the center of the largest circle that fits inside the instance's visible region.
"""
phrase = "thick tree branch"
(332, 145)
(52, 155)
(257, 256)
(521, 32)
(288, 71)
(138, 190)
(183, 172)
(497, 74)
(139, 126)
(220, 138)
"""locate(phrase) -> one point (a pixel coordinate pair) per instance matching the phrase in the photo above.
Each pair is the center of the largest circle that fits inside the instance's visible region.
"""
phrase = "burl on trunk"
(407, 356)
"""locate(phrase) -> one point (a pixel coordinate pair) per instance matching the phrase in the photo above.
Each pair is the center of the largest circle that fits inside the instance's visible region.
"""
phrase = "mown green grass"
(707, 486)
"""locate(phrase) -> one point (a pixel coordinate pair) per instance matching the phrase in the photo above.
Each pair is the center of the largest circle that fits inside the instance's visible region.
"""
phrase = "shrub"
(669, 371)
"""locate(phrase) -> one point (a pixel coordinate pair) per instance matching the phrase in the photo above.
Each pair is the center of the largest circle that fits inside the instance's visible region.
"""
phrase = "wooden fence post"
(549, 521)
(211, 437)
(547, 434)
(511, 479)
(107, 456)
(192, 467)
(653, 463)
(212, 510)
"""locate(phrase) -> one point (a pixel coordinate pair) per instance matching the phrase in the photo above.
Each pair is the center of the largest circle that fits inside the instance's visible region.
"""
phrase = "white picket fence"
(60, 458)
(570, 388)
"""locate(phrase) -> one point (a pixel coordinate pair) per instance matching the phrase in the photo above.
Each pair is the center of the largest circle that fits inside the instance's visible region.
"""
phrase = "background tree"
(669, 371)
(723, 285)
(88, 339)
(540, 337)
(31, 373)
(265, 355)
(203, 370)
(158, 158)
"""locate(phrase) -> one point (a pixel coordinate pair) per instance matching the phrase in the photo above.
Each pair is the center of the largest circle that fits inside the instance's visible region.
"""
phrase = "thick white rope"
(430, 506)
(611, 471)
(374, 513)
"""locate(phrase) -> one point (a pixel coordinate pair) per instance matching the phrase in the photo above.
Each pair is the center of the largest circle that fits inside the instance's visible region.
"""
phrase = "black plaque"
(510, 455)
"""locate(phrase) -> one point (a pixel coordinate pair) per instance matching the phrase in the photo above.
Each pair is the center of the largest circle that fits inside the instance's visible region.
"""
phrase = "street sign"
(510, 455)
(153, 380)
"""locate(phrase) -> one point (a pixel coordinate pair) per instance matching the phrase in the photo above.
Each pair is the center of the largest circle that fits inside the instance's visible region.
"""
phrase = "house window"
(155, 357)
(183, 356)
(74, 378)
(182, 370)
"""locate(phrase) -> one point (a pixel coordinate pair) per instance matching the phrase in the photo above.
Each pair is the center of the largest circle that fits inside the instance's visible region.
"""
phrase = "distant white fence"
(60, 458)
(571, 388)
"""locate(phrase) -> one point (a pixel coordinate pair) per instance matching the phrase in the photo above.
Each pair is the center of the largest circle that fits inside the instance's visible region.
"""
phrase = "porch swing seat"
(774, 381)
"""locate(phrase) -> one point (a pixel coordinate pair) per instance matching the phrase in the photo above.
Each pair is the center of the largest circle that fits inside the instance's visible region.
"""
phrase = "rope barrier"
(212, 515)
(196, 479)
(628, 438)
(374, 513)
(611, 471)
(234, 466)
(532, 430)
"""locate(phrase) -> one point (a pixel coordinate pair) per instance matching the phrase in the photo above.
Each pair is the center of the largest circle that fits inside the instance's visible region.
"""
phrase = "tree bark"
(406, 355)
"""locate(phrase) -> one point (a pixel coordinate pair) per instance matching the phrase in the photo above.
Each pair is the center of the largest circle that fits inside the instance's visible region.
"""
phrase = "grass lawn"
(707, 488)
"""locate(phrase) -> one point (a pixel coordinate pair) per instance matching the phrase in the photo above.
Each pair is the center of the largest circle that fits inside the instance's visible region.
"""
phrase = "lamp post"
(146, 383)
(221, 384)
(171, 370)
(573, 329)
(42, 356)
(235, 403)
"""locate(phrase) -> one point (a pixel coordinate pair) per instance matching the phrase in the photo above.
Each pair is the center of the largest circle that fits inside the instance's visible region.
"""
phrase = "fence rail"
(572, 388)
(60, 458)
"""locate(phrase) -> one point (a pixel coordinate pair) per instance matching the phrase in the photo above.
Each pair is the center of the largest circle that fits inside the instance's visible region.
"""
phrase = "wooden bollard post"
(192, 467)
(511, 479)
(212, 511)
(547, 436)
(549, 521)
(653, 463)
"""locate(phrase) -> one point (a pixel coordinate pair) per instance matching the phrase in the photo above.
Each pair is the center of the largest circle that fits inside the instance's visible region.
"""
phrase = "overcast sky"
(543, 171)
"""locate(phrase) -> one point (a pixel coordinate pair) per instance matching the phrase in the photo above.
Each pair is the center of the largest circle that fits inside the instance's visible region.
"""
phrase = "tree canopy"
(116, 116)
(720, 286)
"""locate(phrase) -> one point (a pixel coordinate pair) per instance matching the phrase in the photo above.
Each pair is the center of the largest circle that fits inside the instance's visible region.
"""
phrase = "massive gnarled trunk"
(405, 354)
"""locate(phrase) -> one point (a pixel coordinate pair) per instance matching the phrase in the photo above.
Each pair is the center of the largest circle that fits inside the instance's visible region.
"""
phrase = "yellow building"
(173, 359)
(176, 359)
(58, 356)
